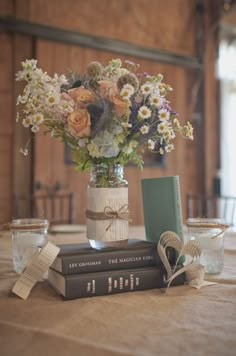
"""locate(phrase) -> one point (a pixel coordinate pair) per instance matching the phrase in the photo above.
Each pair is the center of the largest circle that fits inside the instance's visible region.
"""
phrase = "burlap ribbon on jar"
(110, 214)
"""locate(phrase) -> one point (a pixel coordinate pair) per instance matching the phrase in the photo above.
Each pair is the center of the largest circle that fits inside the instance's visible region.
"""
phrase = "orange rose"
(81, 95)
(79, 123)
(121, 106)
(107, 88)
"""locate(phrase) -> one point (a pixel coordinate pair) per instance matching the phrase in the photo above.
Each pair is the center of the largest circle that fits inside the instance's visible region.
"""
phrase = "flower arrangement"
(109, 115)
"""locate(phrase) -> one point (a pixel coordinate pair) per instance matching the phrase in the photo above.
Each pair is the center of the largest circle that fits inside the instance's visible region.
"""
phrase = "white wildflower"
(61, 80)
(129, 148)
(51, 99)
(144, 129)
(176, 123)
(121, 71)
(169, 147)
(151, 144)
(155, 100)
(162, 127)
(29, 64)
(159, 77)
(169, 134)
(127, 91)
(188, 131)
(146, 88)
(164, 114)
(26, 122)
(38, 118)
(172, 135)
(126, 125)
(161, 87)
(93, 150)
(144, 112)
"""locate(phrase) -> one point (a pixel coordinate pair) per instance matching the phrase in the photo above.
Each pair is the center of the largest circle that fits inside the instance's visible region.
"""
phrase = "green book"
(162, 207)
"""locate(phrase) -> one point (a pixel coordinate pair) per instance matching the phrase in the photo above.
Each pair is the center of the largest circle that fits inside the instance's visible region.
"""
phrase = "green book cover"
(162, 207)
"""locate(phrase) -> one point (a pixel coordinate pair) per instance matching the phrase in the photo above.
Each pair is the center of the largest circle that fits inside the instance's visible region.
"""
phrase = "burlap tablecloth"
(185, 321)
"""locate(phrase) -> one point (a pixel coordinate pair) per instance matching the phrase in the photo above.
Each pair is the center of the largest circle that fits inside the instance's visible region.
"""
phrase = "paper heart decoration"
(195, 272)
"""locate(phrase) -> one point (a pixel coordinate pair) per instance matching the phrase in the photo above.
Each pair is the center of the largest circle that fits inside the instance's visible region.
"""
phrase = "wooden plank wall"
(15, 170)
(165, 24)
(6, 127)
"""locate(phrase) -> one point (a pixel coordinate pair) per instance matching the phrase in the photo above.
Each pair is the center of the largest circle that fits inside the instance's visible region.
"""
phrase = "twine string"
(110, 214)
(213, 225)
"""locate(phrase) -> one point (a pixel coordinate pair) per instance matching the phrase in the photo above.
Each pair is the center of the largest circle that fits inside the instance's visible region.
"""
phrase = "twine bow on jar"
(202, 223)
(108, 213)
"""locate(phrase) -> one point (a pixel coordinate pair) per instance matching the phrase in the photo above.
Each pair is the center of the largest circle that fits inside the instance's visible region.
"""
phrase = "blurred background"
(191, 42)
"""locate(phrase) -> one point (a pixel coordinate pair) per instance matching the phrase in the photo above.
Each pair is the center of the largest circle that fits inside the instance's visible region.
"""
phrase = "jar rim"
(207, 222)
(28, 224)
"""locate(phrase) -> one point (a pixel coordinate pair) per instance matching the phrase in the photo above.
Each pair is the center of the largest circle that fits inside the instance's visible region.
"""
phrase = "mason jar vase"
(107, 214)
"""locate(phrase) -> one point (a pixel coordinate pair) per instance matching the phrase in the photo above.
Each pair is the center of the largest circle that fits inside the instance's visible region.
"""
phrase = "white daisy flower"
(157, 101)
(146, 88)
(164, 114)
(162, 127)
(51, 99)
(127, 91)
(169, 147)
(167, 134)
(26, 122)
(144, 129)
(129, 87)
(151, 144)
(161, 87)
(144, 112)
(38, 118)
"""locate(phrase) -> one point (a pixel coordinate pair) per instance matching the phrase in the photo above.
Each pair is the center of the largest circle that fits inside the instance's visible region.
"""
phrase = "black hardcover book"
(109, 282)
(81, 258)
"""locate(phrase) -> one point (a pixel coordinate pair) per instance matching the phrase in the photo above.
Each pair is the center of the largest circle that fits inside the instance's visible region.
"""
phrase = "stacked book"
(80, 271)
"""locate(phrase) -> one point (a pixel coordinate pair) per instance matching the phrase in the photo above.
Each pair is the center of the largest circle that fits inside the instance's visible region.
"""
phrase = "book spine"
(113, 260)
(112, 282)
(179, 217)
(178, 209)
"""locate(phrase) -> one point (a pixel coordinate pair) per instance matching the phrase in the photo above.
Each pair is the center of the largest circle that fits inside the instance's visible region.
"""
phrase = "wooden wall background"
(165, 24)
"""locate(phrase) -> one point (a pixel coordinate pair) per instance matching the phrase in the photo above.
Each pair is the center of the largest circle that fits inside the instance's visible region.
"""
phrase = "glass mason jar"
(107, 207)
(210, 234)
(28, 236)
